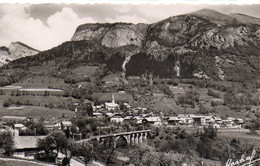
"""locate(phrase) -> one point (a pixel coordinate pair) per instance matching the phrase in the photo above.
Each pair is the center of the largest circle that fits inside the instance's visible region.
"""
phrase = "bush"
(189, 98)
(6, 104)
(213, 93)
(210, 132)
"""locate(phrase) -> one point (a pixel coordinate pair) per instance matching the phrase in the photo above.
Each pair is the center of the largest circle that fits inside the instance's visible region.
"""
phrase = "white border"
(213, 2)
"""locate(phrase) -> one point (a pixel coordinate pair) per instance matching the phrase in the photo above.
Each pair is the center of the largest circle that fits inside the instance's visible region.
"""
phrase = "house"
(185, 119)
(198, 119)
(65, 124)
(117, 118)
(127, 106)
(174, 120)
(209, 120)
(18, 126)
(154, 120)
(109, 114)
(218, 120)
(98, 106)
(138, 119)
(97, 114)
(238, 121)
(51, 127)
(129, 118)
(25, 146)
(227, 123)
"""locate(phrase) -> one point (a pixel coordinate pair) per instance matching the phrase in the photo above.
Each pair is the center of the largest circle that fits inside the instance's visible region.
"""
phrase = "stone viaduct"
(132, 137)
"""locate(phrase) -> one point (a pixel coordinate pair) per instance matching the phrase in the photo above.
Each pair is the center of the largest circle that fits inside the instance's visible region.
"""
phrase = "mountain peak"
(15, 51)
(214, 16)
(18, 43)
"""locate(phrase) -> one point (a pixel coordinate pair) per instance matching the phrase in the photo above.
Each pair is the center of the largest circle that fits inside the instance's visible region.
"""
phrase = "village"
(139, 118)
(186, 120)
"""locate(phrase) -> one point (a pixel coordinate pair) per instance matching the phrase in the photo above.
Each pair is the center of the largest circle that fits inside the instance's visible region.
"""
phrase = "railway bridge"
(131, 137)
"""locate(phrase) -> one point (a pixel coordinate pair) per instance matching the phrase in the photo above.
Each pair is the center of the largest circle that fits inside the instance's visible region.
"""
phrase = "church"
(112, 105)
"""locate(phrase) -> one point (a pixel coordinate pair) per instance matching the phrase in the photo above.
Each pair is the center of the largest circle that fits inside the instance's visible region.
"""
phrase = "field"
(170, 104)
(41, 82)
(35, 111)
(14, 162)
(85, 70)
(239, 133)
(38, 100)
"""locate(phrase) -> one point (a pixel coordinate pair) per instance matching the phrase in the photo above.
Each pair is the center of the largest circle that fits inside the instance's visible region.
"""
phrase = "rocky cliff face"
(112, 35)
(202, 29)
(202, 34)
(15, 51)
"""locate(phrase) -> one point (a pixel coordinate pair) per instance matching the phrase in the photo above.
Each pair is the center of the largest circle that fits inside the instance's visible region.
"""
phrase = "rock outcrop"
(15, 51)
(111, 35)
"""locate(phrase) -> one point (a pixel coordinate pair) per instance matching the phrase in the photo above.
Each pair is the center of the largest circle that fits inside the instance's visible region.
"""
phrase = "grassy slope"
(35, 111)
(41, 82)
(241, 134)
(85, 70)
(39, 100)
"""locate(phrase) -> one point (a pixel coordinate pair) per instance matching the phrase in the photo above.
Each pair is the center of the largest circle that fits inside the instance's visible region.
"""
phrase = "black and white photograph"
(130, 83)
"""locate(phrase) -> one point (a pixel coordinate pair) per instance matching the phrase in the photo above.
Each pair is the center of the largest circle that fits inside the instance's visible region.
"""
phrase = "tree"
(6, 104)
(105, 151)
(210, 132)
(46, 93)
(138, 154)
(54, 141)
(146, 155)
(89, 110)
(34, 128)
(85, 149)
(7, 142)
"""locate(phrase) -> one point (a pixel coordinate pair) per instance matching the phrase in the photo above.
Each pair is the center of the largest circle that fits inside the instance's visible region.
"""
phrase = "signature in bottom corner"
(243, 161)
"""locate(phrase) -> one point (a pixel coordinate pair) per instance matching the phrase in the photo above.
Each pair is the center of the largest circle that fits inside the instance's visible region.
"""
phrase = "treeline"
(33, 128)
(73, 79)
(72, 54)
(8, 79)
(239, 102)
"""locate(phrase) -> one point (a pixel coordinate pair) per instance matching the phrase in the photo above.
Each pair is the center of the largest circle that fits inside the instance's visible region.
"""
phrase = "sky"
(43, 26)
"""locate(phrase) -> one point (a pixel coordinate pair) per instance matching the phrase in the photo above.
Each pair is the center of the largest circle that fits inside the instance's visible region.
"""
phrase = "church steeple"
(113, 98)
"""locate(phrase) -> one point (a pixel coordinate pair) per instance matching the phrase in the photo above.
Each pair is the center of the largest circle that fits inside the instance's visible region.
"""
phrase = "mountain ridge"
(185, 46)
